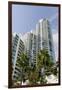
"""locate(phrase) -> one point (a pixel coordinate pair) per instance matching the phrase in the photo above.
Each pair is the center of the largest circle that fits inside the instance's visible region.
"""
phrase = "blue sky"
(25, 18)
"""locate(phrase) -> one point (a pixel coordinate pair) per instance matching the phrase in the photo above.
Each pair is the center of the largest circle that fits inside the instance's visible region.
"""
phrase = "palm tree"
(33, 77)
(43, 59)
(44, 64)
(23, 63)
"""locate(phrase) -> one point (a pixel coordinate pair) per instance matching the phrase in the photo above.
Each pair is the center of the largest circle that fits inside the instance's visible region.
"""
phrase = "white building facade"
(31, 43)
(44, 37)
(29, 40)
(17, 49)
(39, 39)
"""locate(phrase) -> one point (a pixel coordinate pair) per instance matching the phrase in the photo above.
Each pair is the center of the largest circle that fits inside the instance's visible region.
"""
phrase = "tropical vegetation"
(36, 74)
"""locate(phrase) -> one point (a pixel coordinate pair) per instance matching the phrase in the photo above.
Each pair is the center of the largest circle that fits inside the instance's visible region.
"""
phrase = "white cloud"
(55, 41)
